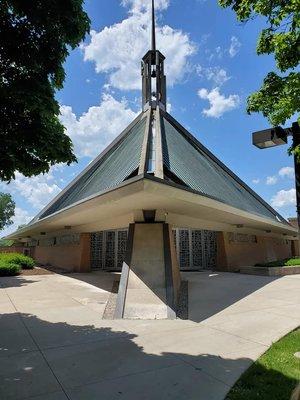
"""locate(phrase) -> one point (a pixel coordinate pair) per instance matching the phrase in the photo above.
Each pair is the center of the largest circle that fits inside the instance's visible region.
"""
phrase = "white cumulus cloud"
(138, 6)
(271, 180)
(219, 104)
(91, 133)
(235, 46)
(255, 181)
(284, 198)
(217, 75)
(99, 126)
(288, 172)
(22, 217)
(38, 190)
(118, 49)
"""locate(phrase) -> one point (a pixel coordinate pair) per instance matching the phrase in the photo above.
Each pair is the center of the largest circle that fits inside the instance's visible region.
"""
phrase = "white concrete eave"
(181, 207)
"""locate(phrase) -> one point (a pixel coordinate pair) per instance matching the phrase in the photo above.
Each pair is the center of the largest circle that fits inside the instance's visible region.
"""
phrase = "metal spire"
(153, 42)
(154, 79)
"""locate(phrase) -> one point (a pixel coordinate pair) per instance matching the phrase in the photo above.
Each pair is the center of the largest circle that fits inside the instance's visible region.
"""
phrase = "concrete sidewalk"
(54, 344)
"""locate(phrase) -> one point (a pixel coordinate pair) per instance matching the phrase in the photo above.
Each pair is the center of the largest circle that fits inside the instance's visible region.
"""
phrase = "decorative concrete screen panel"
(195, 249)
(108, 249)
(241, 238)
(47, 242)
(62, 240)
(68, 239)
(97, 250)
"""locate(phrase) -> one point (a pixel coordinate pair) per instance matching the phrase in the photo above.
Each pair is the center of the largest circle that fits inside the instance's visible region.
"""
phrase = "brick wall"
(71, 257)
(257, 249)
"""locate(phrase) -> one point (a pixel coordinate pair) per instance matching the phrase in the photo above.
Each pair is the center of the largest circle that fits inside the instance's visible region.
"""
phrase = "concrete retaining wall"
(270, 271)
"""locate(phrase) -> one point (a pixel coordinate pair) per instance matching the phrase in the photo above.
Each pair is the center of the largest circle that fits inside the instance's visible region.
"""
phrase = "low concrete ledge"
(270, 271)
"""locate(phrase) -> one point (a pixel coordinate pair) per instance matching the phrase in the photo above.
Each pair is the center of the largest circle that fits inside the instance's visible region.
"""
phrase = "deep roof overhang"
(182, 207)
(156, 143)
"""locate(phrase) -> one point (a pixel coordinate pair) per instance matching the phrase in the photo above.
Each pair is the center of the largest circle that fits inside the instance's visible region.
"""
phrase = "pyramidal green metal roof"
(155, 146)
(111, 168)
(184, 161)
(201, 171)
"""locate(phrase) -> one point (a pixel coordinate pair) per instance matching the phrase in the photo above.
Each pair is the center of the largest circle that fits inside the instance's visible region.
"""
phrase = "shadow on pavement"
(211, 293)
(14, 281)
(61, 361)
(208, 293)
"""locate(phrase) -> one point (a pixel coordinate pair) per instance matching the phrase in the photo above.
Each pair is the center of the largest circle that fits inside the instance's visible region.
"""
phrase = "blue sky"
(211, 66)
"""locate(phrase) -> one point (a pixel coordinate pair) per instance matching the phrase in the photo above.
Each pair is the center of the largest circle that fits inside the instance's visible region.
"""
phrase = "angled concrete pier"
(150, 280)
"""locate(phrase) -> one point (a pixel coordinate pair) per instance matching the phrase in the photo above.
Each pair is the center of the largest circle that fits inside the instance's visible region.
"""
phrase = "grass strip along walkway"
(274, 375)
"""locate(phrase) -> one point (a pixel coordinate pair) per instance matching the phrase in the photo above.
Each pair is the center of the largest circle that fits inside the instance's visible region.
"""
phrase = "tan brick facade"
(231, 254)
(235, 254)
(71, 257)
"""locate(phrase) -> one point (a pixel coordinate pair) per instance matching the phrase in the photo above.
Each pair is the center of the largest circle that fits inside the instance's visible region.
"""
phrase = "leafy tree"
(279, 97)
(6, 243)
(7, 210)
(35, 39)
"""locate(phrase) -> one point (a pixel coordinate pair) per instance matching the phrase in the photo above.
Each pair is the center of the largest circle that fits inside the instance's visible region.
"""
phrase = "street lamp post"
(275, 137)
(296, 142)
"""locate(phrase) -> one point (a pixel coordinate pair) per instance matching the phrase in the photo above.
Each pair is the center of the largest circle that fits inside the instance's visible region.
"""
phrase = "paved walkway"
(55, 346)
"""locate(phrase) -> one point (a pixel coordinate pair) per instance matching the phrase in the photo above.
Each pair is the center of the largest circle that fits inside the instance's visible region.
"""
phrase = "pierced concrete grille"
(183, 249)
(108, 249)
(241, 238)
(68, 239)
(196, 249)
(63, 240)
(122, 242)
(46, 242)
(97, 250)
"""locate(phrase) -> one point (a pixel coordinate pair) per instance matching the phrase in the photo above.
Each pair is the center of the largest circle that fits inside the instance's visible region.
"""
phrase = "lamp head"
(269, 138)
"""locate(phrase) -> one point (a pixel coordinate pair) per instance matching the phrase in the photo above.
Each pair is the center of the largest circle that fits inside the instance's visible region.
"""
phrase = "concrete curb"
(270, 271)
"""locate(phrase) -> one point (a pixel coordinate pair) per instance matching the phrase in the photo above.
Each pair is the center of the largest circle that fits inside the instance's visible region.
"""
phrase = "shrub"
(292, 262)
(24, 262)
(9, 269)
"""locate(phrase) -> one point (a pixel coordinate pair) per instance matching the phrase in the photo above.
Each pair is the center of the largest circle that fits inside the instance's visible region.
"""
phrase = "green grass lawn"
(288, 262)
(274, 375)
